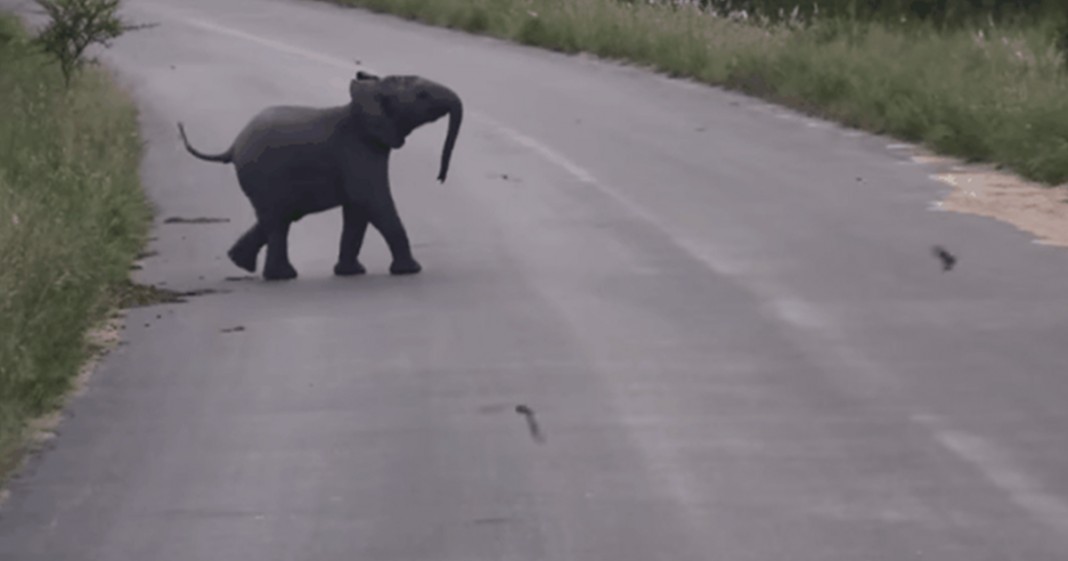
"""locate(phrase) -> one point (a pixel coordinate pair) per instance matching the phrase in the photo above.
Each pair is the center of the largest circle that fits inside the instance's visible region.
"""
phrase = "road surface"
(726, 319)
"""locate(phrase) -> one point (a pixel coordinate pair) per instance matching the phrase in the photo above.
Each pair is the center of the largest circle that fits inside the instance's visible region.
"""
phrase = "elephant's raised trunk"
(456, 115)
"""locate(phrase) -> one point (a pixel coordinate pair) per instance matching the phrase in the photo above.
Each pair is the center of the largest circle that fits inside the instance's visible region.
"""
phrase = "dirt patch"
(1031, 207)
(202, 292)
(197, 220)
(505, 177)
(135, 295)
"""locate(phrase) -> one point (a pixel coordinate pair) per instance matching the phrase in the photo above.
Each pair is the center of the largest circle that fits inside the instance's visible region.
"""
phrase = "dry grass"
(986, 94)
(72, 219)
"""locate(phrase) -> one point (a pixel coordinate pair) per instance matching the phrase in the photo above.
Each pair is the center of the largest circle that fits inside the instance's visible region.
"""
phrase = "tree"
(74, 26)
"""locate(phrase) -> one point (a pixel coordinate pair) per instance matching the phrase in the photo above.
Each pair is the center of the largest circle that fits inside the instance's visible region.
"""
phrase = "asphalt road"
(727, 320)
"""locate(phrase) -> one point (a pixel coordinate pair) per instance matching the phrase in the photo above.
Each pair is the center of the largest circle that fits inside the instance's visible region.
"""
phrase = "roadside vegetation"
(72, 220)
(981, 80)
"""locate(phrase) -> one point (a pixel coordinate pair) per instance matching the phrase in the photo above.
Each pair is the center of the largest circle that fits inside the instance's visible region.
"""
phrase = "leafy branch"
(76, 25)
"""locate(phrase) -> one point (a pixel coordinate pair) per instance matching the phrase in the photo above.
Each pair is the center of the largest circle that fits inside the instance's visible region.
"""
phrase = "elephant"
(292, 161)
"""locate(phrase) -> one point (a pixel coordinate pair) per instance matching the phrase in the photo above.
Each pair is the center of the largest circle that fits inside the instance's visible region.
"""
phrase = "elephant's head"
(391, 107)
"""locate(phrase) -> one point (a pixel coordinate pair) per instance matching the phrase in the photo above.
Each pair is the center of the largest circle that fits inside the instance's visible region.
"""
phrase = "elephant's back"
(285, 127)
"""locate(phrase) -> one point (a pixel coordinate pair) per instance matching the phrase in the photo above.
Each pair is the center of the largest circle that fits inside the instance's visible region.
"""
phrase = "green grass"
(72, 220)
(985, 94)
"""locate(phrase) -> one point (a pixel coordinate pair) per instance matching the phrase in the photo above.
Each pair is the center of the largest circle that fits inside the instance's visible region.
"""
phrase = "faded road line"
(997, 466)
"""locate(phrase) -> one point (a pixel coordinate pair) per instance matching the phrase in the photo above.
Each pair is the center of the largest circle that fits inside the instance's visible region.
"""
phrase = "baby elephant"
(292, 161)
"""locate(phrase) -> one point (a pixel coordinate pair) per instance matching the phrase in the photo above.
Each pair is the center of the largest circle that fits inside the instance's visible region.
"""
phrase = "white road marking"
(997, 466)
(556, 158)
(276, 45)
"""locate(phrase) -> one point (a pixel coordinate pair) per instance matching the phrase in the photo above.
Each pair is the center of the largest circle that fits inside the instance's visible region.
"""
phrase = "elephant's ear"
(374, 113)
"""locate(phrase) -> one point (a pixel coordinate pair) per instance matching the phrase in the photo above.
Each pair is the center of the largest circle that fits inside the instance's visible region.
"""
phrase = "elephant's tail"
(225, 157)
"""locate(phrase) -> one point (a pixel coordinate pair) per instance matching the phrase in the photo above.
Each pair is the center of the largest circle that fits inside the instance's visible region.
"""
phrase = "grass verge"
(993, 94)
(73, 217)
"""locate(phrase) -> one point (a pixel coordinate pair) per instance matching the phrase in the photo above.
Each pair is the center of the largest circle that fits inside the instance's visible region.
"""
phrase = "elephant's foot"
(243, 259)
(279, 273)
(349, 269)
(405, 267)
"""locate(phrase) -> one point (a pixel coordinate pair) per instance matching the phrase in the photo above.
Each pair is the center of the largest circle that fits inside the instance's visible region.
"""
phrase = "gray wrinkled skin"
(292, 161)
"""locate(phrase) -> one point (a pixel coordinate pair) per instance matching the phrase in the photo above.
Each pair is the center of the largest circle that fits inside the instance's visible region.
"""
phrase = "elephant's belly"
(316, 195)
(292, 190)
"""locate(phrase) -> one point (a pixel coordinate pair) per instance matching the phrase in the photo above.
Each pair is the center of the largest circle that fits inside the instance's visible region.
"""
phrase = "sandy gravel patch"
(1029, 206)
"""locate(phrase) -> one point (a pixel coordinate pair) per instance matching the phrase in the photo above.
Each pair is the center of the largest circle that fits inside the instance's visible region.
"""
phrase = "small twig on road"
(948, 259)
(532, 423)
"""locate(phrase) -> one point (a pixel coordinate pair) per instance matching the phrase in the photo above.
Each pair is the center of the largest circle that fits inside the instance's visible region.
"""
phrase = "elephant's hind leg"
(244, 251)
(278, 266)
(352, 234)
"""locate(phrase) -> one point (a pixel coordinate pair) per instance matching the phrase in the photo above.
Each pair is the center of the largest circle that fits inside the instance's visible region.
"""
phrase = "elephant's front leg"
(352, 233)
(278, 266)
(385, 219)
